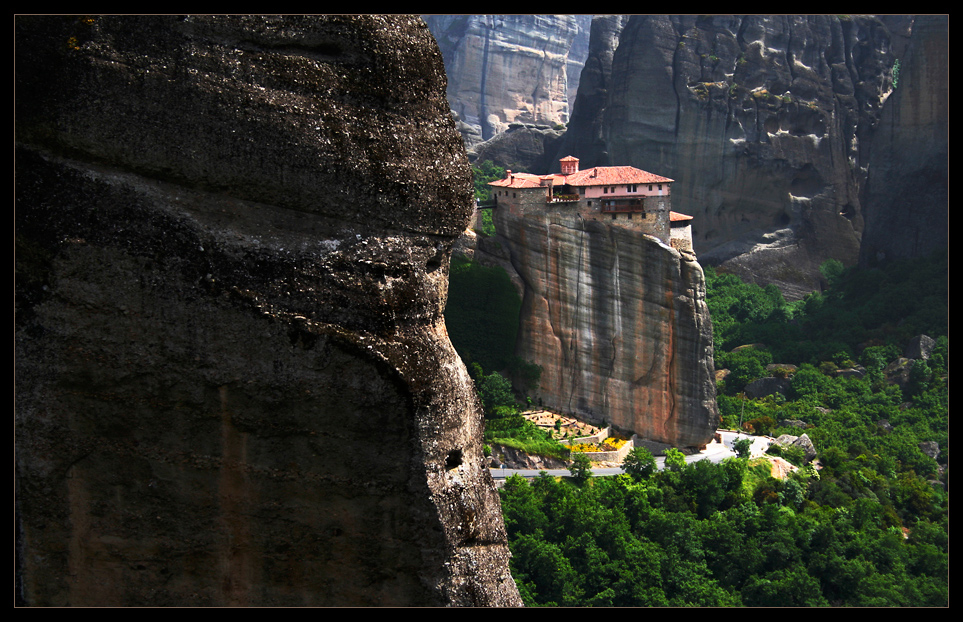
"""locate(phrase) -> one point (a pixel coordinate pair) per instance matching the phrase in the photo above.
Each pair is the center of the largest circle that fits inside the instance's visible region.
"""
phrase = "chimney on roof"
(569, 165)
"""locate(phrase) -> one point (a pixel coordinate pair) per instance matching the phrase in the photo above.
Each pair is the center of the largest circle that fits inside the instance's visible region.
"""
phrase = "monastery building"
(618, 195)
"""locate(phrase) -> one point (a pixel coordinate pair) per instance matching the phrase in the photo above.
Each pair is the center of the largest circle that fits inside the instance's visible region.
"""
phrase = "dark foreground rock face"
(233, 380)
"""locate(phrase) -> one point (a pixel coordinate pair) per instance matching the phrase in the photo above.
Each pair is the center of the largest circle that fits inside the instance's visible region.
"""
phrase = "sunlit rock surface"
(619, 324)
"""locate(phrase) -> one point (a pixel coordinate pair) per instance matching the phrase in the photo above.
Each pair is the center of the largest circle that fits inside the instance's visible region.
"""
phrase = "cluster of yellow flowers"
(584, 447)
(610, 444)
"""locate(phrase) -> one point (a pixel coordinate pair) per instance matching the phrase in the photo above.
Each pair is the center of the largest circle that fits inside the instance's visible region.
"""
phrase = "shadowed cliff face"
(234, 383)
(619, 324)
(907, 205)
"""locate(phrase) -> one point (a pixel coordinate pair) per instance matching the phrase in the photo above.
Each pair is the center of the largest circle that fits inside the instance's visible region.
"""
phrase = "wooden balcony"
(562, 198)
(622, 205)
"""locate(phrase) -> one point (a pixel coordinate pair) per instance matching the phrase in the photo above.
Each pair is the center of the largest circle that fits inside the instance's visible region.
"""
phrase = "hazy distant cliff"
(618, 322)
(233, 381)
(505, 69)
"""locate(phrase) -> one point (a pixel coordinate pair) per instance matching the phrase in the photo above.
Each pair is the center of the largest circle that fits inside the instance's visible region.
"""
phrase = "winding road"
(714, 451)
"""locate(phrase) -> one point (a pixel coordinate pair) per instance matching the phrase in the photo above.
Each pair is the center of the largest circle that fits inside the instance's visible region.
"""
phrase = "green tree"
(639, 463)
(526, 373)
(808, 382)
(522, 508)
(581, 467)
(832, 270)
(544, 571)
(743, 447)
(731, 534)
(674, 459)
(744, 365)
(495, 391)
(484, 173)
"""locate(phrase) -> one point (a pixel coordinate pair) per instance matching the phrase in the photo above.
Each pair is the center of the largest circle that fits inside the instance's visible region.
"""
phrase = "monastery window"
(660, 186)
(650, 187)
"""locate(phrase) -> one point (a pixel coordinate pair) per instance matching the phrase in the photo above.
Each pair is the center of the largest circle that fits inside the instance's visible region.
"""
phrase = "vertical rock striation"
(234, 384)
(505, 69)
(618, 322)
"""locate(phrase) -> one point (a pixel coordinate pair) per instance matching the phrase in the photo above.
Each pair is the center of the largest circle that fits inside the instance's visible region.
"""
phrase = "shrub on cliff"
(482, 314)
(483, 173)
(494, 391)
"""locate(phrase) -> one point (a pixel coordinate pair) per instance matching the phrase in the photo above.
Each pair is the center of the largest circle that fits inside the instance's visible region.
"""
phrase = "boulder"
(931, 449)
(768, 386)
(803, 442)
(919, 347)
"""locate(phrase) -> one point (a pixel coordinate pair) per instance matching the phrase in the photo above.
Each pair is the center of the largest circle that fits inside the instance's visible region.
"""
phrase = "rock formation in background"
(618, 322)
(769, 125)
(233, 380)
(773, 124)
(510, 69)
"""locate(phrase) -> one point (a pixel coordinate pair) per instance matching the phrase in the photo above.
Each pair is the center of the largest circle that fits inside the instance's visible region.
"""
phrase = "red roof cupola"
(569, 165)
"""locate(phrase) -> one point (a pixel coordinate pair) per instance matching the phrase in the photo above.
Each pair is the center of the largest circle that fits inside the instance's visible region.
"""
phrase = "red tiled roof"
(613, 175)
(518, 180)
(527, 180)
(677, 217)
(597, 176)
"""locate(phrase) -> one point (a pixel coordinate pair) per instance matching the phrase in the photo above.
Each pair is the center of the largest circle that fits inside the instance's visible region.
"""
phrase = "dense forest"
(868, 527)
(861, 368)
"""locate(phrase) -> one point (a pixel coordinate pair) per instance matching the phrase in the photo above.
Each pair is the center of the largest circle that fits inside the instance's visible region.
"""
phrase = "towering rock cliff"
(618, 322)
(505, 69)
(766, 122)
(907, 192)
(233, 380)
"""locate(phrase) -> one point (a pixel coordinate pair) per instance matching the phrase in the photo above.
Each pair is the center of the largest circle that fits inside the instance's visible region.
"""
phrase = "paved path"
(716, 452)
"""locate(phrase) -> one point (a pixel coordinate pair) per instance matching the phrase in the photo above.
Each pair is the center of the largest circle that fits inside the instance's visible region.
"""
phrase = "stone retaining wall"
(604, 456)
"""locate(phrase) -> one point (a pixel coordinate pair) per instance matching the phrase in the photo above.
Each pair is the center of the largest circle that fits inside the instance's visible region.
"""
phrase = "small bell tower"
(569, 165)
